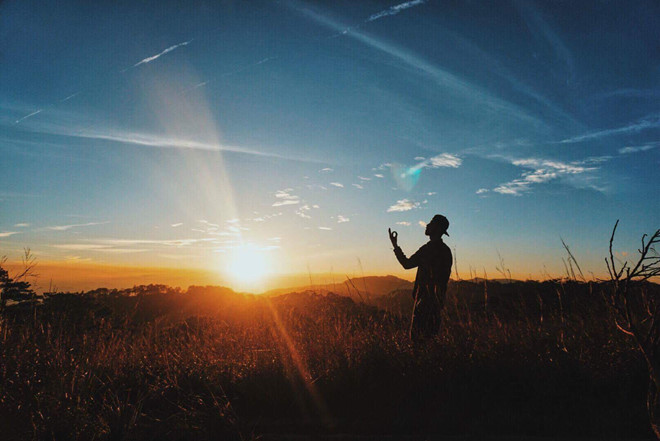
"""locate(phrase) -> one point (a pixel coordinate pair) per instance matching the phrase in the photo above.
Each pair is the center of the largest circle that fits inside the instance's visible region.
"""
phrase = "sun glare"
(248, 265)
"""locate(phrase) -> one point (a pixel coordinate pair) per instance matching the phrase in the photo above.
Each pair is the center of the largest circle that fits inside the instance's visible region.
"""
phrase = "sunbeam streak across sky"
(297, 132)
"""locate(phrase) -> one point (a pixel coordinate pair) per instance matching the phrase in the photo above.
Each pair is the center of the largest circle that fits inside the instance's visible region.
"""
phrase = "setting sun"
(247, 265)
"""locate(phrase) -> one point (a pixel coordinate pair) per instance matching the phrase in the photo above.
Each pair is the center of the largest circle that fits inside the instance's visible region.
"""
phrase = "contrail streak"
(28, 116)
(70, 96)
(395, 9)
(155, 57)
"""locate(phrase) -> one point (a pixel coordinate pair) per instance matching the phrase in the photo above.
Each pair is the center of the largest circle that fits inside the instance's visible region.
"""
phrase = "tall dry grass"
(512, 359)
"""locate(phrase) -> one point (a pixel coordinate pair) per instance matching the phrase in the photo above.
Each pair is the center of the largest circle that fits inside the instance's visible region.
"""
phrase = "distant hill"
(357, 288)
(482, 280)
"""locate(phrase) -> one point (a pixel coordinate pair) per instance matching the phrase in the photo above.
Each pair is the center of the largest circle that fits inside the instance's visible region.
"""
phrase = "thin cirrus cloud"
(59, 124)
(440, 76)
(120, 246)
(97, 248)
(638, 148)
(163, 242)
(538, 26)
(337, 184)
(68, 227)
(8, 233)
(649, 122)
(80, 246)
(144, 139)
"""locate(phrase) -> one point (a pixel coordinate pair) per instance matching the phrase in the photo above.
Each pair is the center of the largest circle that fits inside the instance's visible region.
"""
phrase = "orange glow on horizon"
(84, 276)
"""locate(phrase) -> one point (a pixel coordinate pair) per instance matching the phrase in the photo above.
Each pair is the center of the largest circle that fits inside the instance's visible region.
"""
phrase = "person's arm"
(405, 262)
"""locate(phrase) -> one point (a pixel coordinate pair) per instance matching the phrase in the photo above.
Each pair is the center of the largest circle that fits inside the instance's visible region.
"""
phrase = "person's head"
(437, 227)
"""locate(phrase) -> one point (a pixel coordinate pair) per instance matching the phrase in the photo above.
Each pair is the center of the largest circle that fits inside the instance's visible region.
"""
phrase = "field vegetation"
(513, 359)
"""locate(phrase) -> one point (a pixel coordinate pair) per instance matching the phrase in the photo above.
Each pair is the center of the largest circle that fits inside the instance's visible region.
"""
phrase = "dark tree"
(637, 313)
(17, 288)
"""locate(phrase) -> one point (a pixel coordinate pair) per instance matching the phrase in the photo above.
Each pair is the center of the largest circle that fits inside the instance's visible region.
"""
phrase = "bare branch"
(611, 253)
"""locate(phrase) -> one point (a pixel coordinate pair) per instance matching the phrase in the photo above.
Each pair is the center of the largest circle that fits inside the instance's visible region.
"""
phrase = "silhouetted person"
(434, 261)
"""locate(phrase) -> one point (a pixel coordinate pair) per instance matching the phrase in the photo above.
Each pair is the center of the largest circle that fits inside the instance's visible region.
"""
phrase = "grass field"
(514, 359)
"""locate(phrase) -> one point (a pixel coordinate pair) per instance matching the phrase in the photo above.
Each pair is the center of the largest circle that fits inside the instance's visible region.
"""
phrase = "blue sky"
(171, 134)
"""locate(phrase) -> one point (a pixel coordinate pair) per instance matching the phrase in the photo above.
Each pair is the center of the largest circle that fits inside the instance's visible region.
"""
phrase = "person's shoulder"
(442, 246)
(425, 248)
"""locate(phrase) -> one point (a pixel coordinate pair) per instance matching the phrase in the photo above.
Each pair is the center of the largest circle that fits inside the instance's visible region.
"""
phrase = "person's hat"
(441, 222)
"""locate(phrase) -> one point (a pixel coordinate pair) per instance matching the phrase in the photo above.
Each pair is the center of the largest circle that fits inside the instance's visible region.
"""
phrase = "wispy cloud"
(630, 93)
(445, 160)
(341, 219)
(649, 122)
(404, 223)
(157, 242)
(77, 259)
(326, 170)
(8, 233)
(22, 225)
(145, 139)
(68, 227)
(337, 184)
(440, 76)
(638, 148)
(541, 171)
(97, 248)
(80, 246)
(176, 225)
(393, 10)
(385, 166)
(155, 57)
(124, 246)
(406, 177)
(404, 205)
(539, 26)
(358, 186)
(285, 197)
(303, 212)
(441, 160)
(325, 228)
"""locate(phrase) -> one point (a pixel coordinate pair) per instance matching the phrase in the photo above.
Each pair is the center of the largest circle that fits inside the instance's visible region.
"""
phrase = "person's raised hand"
(393, 237)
